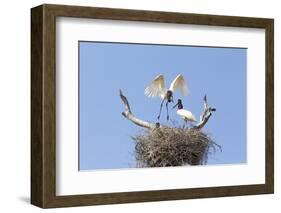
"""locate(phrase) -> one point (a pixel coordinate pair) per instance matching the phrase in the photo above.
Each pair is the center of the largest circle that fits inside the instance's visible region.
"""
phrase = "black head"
(179, 101)
(170, 96)
(179, 104)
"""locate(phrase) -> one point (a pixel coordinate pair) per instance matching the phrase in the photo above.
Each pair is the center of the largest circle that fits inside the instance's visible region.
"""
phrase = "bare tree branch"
(206, 114)
(129, 115)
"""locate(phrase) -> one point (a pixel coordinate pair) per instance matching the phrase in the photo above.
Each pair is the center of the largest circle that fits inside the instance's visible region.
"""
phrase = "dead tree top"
(206, 114)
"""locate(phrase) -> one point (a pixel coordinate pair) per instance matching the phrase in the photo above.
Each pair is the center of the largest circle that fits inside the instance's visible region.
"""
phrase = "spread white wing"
(156, 87)
(179, 84)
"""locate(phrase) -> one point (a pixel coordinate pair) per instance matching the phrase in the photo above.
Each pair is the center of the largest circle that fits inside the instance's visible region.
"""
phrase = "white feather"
(186, 115)
(180, 84)
(156, 88)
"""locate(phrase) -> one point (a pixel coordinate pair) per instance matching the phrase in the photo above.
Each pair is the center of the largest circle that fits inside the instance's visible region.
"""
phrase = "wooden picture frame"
(43, 105)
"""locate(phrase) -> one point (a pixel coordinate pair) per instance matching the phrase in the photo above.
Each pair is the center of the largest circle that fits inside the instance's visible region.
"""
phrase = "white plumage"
(180, 84)
(186, 115)
(157, 89)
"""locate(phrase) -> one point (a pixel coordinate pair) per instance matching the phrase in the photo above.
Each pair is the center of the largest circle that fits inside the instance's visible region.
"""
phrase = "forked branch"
(206, 114)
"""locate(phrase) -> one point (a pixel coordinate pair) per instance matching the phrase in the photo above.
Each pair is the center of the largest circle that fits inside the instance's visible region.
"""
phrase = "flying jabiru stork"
(157, 89)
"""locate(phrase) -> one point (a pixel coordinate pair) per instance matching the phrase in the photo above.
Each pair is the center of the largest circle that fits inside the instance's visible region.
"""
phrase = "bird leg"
(185, 124)
(192, 125)
(167, 110)
(158, 117)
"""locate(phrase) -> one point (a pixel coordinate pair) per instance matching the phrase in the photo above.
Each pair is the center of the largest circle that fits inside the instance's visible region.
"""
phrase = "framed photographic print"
(135, 106)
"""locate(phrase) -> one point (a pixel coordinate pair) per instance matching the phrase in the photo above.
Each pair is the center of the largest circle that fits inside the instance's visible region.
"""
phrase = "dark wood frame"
(43, 105)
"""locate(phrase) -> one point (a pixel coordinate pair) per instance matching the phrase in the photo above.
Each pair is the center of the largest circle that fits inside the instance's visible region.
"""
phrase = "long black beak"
(175, 106)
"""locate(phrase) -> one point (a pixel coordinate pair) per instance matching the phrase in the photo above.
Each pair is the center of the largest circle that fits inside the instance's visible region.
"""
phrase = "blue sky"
(105, 135)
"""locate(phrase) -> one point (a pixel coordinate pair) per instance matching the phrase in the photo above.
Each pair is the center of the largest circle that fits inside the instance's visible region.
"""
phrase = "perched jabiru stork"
(157, 89)
(185, 114)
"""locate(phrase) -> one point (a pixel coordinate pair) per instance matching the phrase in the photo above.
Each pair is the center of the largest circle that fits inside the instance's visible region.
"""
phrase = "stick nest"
(167, 146)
